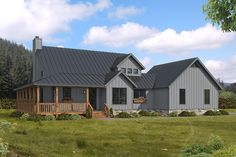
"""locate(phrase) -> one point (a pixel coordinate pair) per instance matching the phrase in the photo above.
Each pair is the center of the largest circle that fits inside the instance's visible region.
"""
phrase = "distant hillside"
(226, 85)
(15, 67)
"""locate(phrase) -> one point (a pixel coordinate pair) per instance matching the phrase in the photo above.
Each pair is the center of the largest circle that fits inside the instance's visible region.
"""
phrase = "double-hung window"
(119, 95)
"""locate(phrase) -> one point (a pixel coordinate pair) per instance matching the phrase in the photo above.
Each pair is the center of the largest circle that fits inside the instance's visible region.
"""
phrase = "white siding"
(194, 81)
(130, 63)
(120, 82)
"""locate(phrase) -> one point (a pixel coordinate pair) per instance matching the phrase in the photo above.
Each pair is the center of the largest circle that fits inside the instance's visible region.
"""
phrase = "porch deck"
(50, 108)
(28, 100)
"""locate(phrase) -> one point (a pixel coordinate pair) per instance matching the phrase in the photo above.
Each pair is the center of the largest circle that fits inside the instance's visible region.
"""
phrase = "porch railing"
(72, 107)
(25, 106)
(47, 107)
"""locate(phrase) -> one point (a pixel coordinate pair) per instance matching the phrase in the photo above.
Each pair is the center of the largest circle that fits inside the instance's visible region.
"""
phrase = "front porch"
(56, 100)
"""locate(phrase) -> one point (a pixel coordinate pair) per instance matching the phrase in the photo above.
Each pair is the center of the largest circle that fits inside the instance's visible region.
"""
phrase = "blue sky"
(156, 31)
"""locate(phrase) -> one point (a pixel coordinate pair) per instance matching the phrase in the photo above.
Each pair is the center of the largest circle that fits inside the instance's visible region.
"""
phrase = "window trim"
(135, 69)
(182, 98)
(123, 70)
(207, 100)
(129, 69)
(120, 100)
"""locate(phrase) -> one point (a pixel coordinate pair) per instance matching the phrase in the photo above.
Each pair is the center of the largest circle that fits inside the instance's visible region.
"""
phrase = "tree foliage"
(15, 67)
(222, 13)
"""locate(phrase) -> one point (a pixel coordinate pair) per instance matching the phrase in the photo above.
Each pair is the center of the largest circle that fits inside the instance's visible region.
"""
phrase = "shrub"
(16, 114)
(212, 113)
(124, 115)
(227, 99)
(215, 142)
(187, 114)
(88, 113)
(35, 117)
(134, 115)
(3, 148)
(223, 112)
(49, 117)
(68, 117)
(75, 117)
(228, 152)
(7, 103)
(149, 113)
(111, 113)
(24, 116)
(195, 149)
(173, 114)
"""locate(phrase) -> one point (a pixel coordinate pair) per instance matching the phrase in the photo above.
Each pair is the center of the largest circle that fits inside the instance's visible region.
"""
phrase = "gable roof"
(121, 59)
(110, 76)
(168, 73)
(65, 60)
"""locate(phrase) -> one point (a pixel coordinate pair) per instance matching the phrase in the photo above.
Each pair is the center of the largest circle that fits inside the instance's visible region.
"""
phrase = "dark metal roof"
(167, 73)
(145, 81)
(65, 60)
(73, 79)
(118, 60)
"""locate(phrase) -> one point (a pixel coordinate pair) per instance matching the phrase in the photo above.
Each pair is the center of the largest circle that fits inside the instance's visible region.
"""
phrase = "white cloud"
(225, 70)
(117, 36)
(151, 40)
(124, 12)
(169, 41)
(234, 60)
(146, 62)
(23, 19)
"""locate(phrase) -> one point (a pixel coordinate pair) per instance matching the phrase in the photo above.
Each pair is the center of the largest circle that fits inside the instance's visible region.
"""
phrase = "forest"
(15, 67)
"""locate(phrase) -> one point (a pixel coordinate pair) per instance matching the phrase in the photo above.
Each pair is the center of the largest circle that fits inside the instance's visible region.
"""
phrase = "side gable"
(165, 74)
(198, 64)
(134, 58)
(110, 77)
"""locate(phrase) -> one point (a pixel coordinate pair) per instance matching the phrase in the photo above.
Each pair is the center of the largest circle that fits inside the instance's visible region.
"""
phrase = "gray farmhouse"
(71, 80)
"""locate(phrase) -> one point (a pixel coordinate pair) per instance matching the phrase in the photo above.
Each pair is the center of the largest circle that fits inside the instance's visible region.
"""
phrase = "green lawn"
(231, 110)
(159, 136)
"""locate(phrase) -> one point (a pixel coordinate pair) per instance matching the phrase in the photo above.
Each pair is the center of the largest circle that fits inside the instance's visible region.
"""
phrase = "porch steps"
(99, 114)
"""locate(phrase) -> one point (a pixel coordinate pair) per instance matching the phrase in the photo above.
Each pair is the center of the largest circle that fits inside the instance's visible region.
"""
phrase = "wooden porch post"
(87, 96)
(57, 100)
(37, 99)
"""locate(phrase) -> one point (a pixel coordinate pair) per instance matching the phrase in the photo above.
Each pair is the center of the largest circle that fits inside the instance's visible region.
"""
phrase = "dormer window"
(123, 70)
(135, 71)
(129, 71)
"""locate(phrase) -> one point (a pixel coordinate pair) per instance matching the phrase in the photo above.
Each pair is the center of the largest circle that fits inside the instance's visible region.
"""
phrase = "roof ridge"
(194, 58)
(87, 50)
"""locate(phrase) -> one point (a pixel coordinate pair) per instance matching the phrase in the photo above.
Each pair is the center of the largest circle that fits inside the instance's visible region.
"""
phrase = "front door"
(92, 97)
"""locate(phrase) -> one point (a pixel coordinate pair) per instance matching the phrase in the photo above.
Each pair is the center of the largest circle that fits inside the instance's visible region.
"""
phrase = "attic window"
(135, 71)
(123, 70)
(129, 71)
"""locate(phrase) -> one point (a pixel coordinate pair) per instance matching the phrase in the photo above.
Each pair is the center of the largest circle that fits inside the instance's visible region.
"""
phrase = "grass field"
(149, 137)
(231, 110)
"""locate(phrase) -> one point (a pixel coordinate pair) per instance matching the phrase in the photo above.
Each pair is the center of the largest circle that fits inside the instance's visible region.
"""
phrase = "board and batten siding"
(161, 99)
(130, 63)
(194, 81)
(119, 82)
(157, 99)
